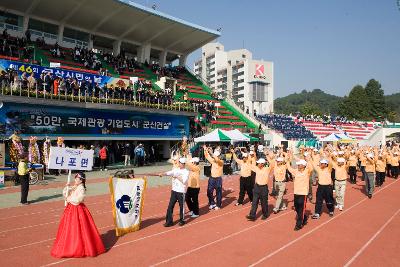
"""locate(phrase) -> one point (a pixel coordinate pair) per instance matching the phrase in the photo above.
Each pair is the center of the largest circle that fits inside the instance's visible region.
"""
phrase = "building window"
(42, 26)
(11, 19)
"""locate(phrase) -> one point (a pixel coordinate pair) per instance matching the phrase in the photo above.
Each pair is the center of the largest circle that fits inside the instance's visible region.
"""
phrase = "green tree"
(374, 91)
(356, 105)
(310, 108)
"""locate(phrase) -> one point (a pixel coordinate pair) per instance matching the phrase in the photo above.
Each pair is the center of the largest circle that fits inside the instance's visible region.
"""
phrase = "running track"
(366, 233)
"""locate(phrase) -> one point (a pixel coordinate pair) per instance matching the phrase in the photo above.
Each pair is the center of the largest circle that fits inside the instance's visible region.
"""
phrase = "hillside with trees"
(362, 103)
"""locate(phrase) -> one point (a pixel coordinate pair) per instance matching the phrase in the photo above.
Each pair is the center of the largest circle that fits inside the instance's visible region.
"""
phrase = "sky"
(331, 45)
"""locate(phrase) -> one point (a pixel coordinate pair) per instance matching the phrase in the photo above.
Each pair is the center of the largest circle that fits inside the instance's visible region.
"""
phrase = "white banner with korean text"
(127, 197)
(63, 158)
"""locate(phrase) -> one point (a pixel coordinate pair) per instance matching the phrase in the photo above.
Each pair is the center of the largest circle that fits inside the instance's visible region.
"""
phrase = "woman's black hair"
(83, 182)
(83, 179)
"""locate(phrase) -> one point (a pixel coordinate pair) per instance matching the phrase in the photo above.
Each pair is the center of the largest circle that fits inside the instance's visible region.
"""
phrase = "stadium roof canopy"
(119, 20)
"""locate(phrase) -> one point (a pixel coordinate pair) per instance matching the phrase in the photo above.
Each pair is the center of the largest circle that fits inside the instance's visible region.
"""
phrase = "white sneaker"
(340, 208)
(216, 208)
(194, 216)
(238, 204)
(190, 213)
(283, 208)
(105, 169)
(212, 207)
(337, 206)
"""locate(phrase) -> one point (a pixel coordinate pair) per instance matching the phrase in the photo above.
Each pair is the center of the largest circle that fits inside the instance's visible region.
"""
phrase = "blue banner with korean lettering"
(79, 76)
(40, 120)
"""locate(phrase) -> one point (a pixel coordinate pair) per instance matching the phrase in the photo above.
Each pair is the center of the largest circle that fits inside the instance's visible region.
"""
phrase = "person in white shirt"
(180, 177)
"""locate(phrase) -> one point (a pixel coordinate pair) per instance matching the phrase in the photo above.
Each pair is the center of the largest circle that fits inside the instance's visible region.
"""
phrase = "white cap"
(279, 159)
(315, 150)
(396, 153)
(261, 161)
(323, 161)
(251, 152)
(182, 160)
(260, 148)
(196, 159)
(244, 155)
(342, 160)
(216, 153)
(302, 162)
(370, 155)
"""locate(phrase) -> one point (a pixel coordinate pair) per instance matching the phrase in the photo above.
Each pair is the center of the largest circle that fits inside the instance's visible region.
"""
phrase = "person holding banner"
(77, 234)
(179, 177)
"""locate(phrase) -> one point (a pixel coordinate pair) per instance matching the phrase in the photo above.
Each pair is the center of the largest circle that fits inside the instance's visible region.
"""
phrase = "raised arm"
(207, 155)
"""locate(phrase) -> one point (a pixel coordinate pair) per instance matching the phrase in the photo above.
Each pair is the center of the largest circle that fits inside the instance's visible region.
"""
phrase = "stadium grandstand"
(102, 70)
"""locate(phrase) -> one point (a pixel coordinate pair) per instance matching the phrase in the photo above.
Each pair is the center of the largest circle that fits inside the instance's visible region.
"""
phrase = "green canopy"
(215, 136)
(252, 139)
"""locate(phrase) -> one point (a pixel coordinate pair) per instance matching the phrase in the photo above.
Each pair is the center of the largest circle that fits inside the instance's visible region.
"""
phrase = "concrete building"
(236, 75)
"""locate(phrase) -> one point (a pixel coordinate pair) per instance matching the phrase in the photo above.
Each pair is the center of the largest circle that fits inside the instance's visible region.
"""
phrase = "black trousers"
(388, 170)
(353, 174)
(175, 196)
(246, 186)
(380, 178)
(192, 199)
(103, 163)
(300, 202)
(395, 172)
(324, 192)
(333, 175)
(24, 180)
(260, 193)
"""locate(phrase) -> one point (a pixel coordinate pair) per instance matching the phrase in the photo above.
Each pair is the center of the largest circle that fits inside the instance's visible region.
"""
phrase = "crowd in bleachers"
(121, 63)
(286, 125)
(168, 71)
(15, 47)
(330, 119)
(48, 83)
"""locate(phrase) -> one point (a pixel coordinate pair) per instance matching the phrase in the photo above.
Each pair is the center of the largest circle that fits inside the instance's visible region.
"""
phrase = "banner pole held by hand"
(68, 182)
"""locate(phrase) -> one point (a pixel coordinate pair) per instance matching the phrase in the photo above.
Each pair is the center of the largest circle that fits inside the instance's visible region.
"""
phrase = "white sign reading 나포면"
(62, 158)
(127, 197)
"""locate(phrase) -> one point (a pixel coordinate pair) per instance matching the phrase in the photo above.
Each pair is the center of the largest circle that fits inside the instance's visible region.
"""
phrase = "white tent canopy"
(219, 135)
(333, 137)
(330, 138)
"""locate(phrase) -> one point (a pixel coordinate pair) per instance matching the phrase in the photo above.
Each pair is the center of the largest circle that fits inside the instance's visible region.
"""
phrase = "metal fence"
(16, 89)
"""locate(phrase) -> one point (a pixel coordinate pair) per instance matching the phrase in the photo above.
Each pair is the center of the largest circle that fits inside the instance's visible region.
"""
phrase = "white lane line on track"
(221, 239)
(315, 229)
(42, 241)
(160, 233)
(361, 250)
(101, 212)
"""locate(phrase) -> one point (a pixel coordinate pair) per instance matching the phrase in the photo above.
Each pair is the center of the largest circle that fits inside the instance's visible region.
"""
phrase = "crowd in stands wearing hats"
(286, 125)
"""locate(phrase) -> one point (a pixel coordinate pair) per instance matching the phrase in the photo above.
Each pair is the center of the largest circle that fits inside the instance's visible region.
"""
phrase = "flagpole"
(68, 182)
